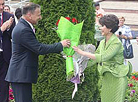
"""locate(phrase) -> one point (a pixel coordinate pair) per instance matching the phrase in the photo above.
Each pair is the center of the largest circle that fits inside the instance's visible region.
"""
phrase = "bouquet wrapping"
(80, 64)
(68, 30)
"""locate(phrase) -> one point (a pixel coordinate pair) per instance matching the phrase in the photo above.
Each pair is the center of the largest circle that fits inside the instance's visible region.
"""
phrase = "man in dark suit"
(7, 24)
(23, 68)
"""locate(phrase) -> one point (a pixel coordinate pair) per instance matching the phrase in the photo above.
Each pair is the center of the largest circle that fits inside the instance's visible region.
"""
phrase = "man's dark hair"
(18, 13)
(96, 4)
(110, 21)
(7, 6)
(30, 7)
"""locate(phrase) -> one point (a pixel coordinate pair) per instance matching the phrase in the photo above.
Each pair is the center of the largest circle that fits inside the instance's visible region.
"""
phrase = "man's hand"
(65, 43)
(7, 24)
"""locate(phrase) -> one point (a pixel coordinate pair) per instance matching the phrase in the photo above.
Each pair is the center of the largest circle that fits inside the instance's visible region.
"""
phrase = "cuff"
(98, 57)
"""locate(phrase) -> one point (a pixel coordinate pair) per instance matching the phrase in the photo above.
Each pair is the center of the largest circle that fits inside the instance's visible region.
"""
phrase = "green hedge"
(52, 85)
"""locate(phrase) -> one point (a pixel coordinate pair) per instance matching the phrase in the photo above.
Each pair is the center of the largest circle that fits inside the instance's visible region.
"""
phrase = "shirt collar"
(29, 24)
(123, 26)
(1, 15)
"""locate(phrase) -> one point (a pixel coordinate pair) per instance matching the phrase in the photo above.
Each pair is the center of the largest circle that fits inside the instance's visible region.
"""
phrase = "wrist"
(1, 29)
(82, 53)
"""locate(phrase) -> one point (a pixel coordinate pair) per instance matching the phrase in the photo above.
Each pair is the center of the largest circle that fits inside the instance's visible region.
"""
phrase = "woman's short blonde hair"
(122, 18)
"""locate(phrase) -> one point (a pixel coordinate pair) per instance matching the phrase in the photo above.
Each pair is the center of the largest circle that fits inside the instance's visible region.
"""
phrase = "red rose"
(136, 78)
(57, 22)
(68, 18)
(133, 77)
(74, 20)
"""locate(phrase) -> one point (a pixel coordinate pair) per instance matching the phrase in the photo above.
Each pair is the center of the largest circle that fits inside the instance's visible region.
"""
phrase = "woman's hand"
(76, 49)
(84, 53)
(124, 37)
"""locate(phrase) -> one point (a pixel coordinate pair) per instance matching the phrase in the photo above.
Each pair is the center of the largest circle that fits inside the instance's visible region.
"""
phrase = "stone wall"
(127, 9)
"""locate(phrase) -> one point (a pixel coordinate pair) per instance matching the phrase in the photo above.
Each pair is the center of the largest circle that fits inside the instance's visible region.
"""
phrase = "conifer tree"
(52, 85)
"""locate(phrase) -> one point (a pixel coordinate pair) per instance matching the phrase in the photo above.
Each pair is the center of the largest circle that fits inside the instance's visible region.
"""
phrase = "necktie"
(0, 37)
(0, 19)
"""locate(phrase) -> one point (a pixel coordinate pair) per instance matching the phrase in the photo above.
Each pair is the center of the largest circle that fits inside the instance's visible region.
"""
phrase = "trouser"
(4, 85)
(22, 92)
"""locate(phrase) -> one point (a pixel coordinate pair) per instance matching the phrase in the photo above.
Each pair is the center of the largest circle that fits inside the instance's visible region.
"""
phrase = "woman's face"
(104, 30)
(121, 22)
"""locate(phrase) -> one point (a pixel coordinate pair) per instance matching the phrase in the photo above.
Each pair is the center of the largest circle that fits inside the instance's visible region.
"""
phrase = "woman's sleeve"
(108, 53)
(91, 62)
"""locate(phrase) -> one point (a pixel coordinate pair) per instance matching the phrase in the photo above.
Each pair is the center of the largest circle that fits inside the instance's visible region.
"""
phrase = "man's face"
(36, 16)
(97, 7)
(6, 9)
(1, 5)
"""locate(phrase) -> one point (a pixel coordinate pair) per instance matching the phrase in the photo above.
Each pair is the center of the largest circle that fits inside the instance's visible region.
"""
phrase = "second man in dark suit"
(7, 24)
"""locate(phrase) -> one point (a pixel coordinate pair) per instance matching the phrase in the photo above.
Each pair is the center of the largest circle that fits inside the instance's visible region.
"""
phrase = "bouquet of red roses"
(72, 31)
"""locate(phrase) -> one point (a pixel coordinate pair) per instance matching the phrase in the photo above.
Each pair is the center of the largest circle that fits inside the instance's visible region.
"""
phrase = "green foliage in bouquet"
(52, 85)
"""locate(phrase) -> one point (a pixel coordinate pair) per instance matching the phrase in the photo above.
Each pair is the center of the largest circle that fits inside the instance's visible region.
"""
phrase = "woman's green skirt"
(113, 88)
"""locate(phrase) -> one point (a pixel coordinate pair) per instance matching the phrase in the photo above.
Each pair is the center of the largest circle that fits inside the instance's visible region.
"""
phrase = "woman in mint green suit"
(111, 66)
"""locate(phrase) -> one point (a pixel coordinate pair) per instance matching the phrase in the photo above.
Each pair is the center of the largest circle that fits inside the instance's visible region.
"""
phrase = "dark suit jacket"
(23, 66)
(6, 37)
